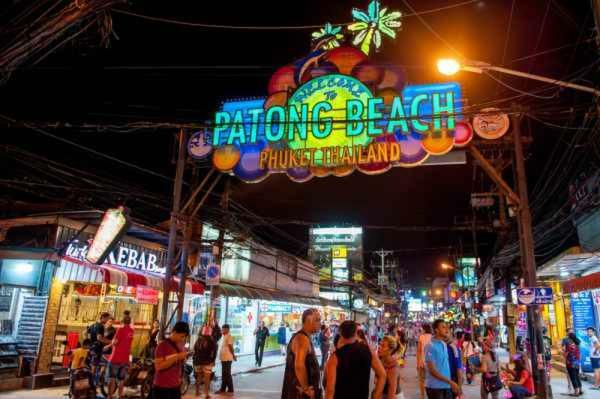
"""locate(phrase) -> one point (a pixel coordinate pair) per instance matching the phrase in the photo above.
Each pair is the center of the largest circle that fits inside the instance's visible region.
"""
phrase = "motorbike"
(137, 375)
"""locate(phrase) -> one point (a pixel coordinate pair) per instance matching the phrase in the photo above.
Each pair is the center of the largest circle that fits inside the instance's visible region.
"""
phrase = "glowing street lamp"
(449, 67)
(446, 266)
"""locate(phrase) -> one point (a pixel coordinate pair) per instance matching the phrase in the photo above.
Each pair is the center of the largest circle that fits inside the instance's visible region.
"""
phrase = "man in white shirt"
(595, 356)
(424, 340)
(227, 356)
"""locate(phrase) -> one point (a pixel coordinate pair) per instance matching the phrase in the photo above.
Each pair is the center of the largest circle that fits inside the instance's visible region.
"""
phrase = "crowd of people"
(447, 357)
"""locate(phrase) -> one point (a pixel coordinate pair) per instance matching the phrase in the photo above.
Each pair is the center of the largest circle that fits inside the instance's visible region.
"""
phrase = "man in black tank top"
(302, 376)
(348, 370)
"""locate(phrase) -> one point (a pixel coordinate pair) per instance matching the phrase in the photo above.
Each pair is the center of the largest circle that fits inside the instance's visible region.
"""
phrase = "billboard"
(466, 273)
(337, 252)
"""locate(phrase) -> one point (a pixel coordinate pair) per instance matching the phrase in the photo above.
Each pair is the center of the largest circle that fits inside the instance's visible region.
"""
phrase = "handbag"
(474, 361)
(492, 382)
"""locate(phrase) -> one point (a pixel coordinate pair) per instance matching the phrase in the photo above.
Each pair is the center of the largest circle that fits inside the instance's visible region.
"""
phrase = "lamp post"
(448, 66)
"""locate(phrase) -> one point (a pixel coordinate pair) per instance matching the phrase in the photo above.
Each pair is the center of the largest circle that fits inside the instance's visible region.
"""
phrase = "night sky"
(168, 73)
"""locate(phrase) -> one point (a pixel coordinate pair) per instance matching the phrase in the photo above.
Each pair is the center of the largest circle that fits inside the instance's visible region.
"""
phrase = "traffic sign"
(535, 296)
(213, 274)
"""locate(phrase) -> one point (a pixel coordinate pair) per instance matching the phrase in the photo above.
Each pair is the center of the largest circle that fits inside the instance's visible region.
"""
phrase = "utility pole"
(382, 254)
(219, 247)
(528, 262)
(177, 186)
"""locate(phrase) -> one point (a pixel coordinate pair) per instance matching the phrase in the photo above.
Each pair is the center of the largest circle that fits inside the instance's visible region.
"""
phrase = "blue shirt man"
(438, 382)
(437, 353)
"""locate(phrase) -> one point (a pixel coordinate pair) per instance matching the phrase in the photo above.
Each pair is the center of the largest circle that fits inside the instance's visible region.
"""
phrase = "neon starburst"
(329, 36)
(370, 25)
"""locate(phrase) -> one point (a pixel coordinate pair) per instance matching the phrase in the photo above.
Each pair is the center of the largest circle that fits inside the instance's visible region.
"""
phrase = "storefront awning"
(582, 283)
(72, 269)
(240, 291)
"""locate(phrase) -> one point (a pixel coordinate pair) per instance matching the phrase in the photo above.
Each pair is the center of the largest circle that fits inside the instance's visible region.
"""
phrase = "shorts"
(118, 371)
(595, 363)
(204, 368)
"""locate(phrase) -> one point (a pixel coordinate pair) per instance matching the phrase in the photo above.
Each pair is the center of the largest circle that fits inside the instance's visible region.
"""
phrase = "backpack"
(205, 350)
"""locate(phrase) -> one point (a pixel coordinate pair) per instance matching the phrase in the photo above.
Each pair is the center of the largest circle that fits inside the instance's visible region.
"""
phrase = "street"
(266, 384)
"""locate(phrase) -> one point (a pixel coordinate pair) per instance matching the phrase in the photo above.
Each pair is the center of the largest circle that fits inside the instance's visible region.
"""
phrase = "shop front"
(24, 280)
(244, 307)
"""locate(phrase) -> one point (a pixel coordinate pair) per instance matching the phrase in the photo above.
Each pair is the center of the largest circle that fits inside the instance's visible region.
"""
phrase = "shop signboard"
(124, 256)
(144, 294)
(535, 296)
(415, 305)
(213, 274)
(582, 310)
(267, 307)
(336, 251)
(115, 223)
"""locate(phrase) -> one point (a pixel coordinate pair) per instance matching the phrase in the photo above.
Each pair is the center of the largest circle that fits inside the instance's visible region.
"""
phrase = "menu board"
(583, 317)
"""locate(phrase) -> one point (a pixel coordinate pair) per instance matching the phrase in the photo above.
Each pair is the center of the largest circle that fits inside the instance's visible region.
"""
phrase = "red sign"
(145, 294)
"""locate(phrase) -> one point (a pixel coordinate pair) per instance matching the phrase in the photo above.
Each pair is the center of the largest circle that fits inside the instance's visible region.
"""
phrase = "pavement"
(251, 382)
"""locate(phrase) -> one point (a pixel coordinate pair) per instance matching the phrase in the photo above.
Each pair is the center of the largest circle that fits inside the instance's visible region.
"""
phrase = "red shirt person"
(118, 361)
(169, 358)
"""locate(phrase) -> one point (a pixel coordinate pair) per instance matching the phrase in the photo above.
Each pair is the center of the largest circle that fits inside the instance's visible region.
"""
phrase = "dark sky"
(172, 73)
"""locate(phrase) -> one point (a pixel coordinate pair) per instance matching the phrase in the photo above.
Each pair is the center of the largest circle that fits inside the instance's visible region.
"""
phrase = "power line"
(282, 27)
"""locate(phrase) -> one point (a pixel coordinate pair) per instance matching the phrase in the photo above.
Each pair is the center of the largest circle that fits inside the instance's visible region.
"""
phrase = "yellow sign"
(339, 252)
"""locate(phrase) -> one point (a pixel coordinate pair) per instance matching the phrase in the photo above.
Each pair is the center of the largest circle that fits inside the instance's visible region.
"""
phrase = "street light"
(449, 67)
(446, 266)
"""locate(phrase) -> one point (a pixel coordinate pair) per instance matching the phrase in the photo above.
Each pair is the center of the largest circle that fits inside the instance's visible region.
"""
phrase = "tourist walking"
(573, 362)
(563, 346)
(470, 357)
(595, 356)
(227, 357)
(454, 361)
(489, 373)
(424, 340)
(169, 359)
(324, 344)
(205, 354)
(261, 334)
(438, 382)
(348, 369)
(118, 361)
(301, 379)
(282, 338)
(388, 354)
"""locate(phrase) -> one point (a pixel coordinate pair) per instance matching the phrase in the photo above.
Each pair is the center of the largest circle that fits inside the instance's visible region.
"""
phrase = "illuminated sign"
(147, 295)
(267, 307)
(337, 252)
(415, 305)
(334, 121)
(123, 256)
(114, 224)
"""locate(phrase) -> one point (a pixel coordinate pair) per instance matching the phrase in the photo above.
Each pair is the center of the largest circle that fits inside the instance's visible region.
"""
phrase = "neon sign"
(334, 111)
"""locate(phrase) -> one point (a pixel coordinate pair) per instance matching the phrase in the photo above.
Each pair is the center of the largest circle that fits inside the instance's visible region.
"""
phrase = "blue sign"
(213, 274)
(275, 307)
(535, 296)
(582, 308)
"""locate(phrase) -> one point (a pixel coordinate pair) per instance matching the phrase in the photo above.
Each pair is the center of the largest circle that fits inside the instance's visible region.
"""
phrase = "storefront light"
(24, 268)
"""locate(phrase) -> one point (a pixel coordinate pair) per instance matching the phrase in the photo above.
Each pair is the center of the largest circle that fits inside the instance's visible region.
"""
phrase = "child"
(79, 356)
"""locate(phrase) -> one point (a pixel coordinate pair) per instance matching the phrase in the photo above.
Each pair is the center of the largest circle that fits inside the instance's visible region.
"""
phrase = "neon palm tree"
(333, 34)
(369, 25)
